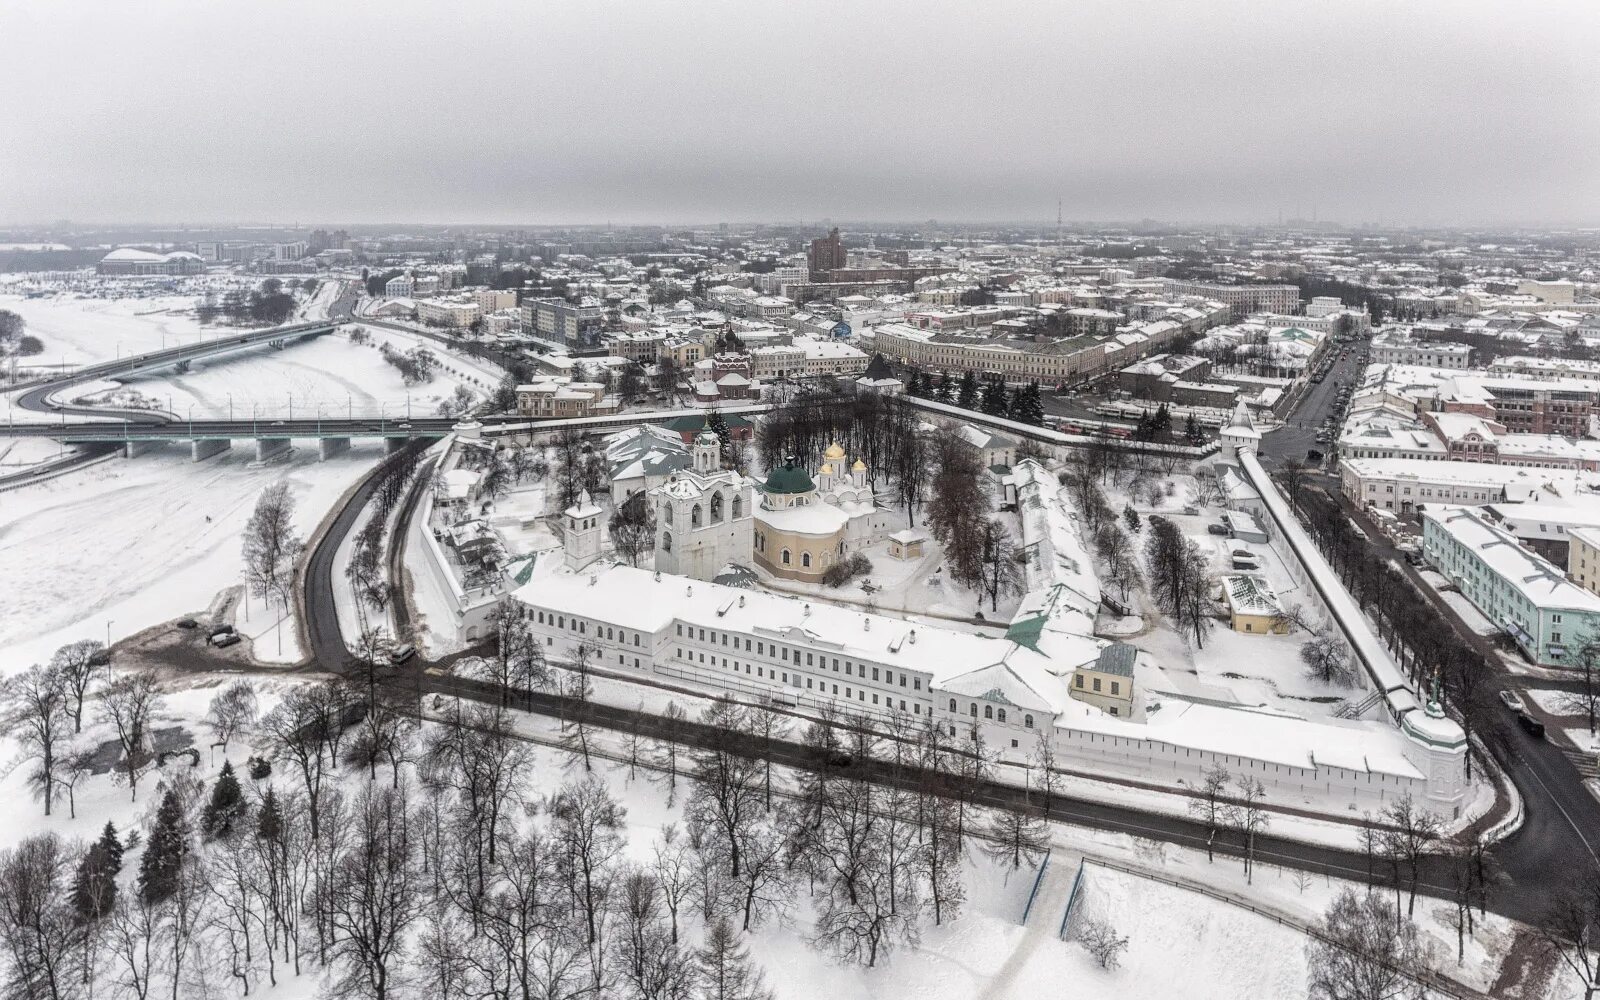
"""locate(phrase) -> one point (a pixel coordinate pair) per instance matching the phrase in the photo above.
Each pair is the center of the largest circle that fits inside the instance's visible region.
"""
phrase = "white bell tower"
(707, 452)
(581, 538)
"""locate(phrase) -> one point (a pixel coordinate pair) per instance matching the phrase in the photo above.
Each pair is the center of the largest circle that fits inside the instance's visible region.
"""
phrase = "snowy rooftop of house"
(1462, 473)
(1535, 578)
(905, 536)
(983, 438)
(637, 600)
(458, 483)
(1250, 594)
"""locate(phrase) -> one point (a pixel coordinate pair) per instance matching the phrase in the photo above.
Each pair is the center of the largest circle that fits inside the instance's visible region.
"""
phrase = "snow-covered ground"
(1553, 701)
(129, 541)
(20, 453)
(326, 375)
(78, 331)
(1230, 666)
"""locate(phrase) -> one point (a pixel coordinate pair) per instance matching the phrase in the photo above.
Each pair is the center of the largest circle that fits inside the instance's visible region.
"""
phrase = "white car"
(1511, 701)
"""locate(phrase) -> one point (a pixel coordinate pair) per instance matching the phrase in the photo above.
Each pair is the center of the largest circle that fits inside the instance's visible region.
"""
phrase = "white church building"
(704, 515)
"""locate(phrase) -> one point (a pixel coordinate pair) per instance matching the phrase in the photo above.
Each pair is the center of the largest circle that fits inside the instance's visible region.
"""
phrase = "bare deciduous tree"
(1363, 951)
(34, 710)
(1102, 941)
(232, 710)
(270, 544)
(80, 664)
(128, 703)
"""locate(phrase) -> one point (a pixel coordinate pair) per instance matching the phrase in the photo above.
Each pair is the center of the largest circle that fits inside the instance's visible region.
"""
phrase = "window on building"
(1077, 680)
(974, 710)
(988, 711)
(1027, 722)
(783, 557)
(695, 516)
(805, 559)
(1002, 715)
(1097, 684)
(952, 704)
(1116, 687)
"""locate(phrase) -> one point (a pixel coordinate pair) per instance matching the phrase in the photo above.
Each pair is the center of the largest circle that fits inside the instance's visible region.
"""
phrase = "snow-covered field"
(136, 542)
(79, 331)
(326, 375)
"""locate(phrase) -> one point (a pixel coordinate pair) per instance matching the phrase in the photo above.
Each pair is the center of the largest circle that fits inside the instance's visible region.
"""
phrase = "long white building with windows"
(1011, 689)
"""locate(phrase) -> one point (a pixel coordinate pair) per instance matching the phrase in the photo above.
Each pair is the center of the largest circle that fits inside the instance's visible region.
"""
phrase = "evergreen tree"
(112, 845)
(967, 394)
(1131, 518)
(269, 818)
(1163, 419)
(994, 398)
(1191, 430)
(943, 389)
(94, 885)
(164, 851)
(505, 394)
(226, 805)
(1027, 407)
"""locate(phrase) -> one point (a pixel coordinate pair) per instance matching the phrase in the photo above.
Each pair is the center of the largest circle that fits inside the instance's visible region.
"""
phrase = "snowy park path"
(1043, 927)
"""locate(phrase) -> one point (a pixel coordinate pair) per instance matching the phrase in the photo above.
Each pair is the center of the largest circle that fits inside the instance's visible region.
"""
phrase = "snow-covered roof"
(132, 254)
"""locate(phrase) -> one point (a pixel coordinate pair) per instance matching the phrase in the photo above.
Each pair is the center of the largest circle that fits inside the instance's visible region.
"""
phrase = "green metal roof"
(1026, 631)
(789, 478)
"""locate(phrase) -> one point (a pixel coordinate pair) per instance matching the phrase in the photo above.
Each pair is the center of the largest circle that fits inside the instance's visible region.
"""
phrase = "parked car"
(1533, 727)
(217, 630)
(401, 654)
(188, 623)
(1510, 700)
(1217, 529)
(225, 639)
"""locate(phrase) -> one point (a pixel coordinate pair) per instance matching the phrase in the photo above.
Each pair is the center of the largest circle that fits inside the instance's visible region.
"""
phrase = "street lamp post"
(108, 633)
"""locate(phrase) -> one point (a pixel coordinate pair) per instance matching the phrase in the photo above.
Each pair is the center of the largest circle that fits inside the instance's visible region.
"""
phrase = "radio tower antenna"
(1058, 221)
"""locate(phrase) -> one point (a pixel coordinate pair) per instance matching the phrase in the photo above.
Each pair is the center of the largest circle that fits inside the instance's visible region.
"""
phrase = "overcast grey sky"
(531, 112)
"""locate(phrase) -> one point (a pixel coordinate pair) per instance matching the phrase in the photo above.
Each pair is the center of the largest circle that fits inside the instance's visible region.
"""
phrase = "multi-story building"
(457, 314)
(806, 357)
(1547, 615)
(825, 254)
(1241, 300)
(637, 345)
(399, 287)
(562, 321)
(558, 397)
(1064, 360)
(1404, 484)
(1107, 683)
(1395, 347)
(492, 300)
(1583, 558)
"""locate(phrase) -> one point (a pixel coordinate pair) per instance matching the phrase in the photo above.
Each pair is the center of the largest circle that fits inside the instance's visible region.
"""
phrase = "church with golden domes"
(804, 525)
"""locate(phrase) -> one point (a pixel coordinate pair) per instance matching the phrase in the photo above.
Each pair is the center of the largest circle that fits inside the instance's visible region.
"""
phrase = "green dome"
(789, 479)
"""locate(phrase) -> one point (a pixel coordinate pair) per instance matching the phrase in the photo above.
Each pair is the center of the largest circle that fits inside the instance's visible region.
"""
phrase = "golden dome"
(834, 452)
(860, 466)
(826, 470)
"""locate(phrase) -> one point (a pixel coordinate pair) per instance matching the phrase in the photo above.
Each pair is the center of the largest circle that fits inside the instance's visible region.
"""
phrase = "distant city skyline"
(511, 114)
